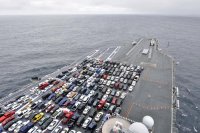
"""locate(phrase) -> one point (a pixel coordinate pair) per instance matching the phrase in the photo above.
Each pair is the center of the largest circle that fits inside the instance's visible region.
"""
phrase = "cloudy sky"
(166, 7)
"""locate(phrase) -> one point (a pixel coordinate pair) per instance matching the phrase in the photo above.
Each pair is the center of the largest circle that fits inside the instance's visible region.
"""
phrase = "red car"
(101, 104)
(105, 76)
(8, 120)
(43, 85)
(114, 100)
(6, 115)
(68, 116)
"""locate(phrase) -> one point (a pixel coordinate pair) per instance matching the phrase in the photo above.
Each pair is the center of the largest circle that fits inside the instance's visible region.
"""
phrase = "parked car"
(37, 117)
(92, 125)
(6, 115)
(46, 123)
(80, 120)
(117, 110)
(25, 128)
(98, 116)
(123, 95)
(87, 122)
(86, 110)
(101, 104)
(114, 100)
(93, 112)
(52, 124)
(112, 108)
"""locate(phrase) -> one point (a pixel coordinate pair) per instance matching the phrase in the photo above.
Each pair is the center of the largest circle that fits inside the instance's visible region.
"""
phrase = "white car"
(10, 129)
(133, 83)
(58, 129)
(98, 116)
(104, 82)
(112, 78)
(82, 97)
(33, 129)
(123, 95)
(87, 122)
(116, 79)
(121, 80)
(105, 97)
(53, 124)
(108, 91)
(108, 83)
(131, 88)
(118, 93)
(86, 110)
(38, 131)
(85, 99)
(65, 130)
(91, 93)
(18, 128)
(125, 81)
(72, 131)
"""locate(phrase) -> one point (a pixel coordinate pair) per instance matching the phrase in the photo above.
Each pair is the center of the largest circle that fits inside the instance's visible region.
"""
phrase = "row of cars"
(79, 97)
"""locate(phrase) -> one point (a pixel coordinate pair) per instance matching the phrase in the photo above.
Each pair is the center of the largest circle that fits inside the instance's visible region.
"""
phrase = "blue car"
(1, 130)
(51, 96)
(61, 103)
(25, 128)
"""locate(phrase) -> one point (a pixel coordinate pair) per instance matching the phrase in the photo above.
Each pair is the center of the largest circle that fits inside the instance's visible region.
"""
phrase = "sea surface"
(39, 45)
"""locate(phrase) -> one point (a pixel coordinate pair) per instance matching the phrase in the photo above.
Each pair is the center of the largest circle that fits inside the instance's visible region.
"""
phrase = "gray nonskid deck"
(152, 94)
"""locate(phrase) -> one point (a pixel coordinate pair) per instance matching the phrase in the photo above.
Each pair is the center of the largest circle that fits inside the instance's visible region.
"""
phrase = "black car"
(125, 87)
(119, 102)
(129, 82)
(41, 105)
(77, 97)
(80, 120)
(109, 99)
(81, 106)
(93, 112)
(95, 103)
(100, 96)
(104, 90)
(34, 105)
(58, 99)
(75, 116)
(70, 123)
(90, 101)
(61, 115)
(46, 123)
(45, 96)
(10, 123)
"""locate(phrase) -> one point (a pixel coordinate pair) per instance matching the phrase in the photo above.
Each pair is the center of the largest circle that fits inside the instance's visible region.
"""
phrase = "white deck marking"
(89, 56)
(134, 47)
(113, 53)
(103, 53)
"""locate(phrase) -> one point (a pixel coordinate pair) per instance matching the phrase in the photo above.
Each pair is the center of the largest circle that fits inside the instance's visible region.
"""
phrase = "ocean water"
(39, 45)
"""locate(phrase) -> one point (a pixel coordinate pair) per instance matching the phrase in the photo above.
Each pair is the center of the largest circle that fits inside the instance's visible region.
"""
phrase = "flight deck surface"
(152, 94)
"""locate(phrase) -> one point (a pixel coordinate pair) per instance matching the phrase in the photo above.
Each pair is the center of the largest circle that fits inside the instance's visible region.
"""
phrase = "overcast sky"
(166, 7)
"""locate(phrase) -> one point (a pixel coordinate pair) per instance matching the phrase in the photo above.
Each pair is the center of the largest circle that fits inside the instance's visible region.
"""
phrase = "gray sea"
(39, 45)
